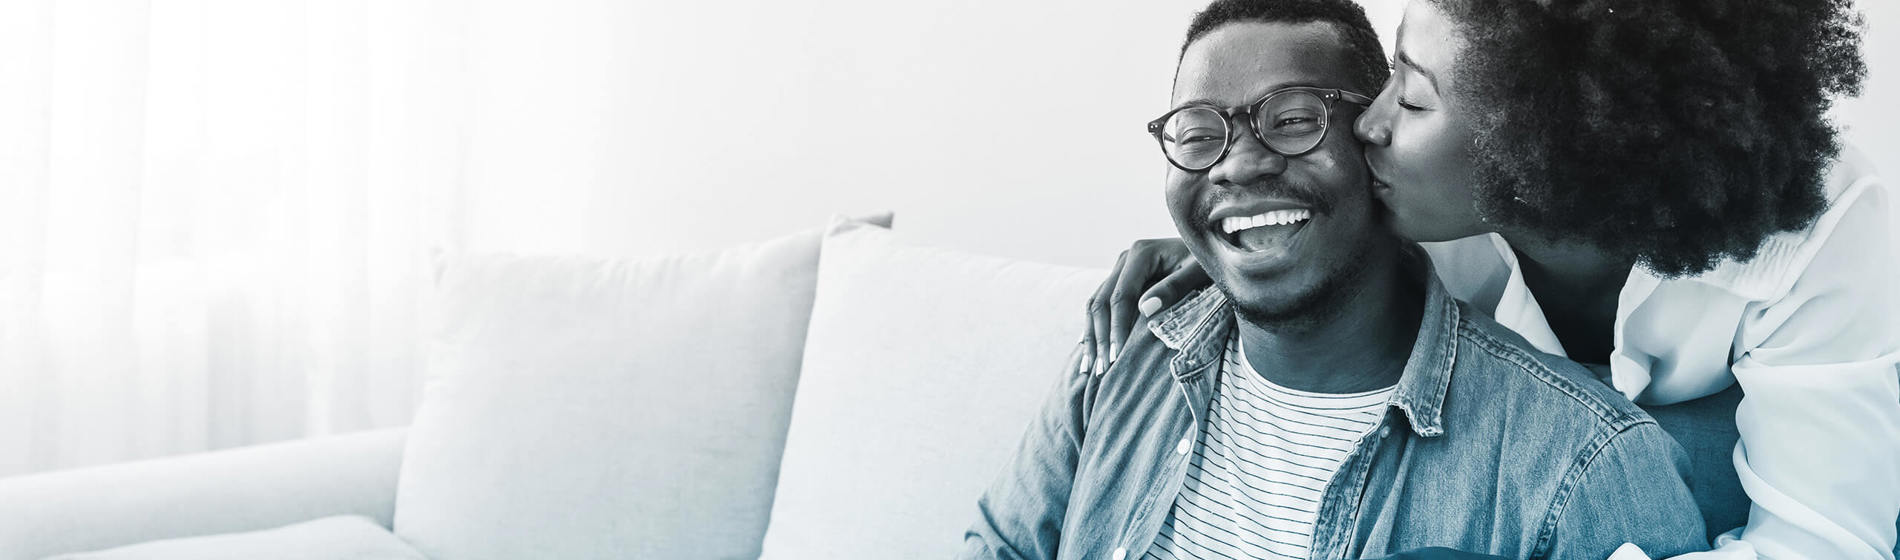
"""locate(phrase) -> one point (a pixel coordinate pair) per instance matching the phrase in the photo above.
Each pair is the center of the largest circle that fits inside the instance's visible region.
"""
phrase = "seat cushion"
(607, 408)
(923, 367)
(344, 537)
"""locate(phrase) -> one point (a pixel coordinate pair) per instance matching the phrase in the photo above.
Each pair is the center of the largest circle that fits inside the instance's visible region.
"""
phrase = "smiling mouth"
(1264, 231)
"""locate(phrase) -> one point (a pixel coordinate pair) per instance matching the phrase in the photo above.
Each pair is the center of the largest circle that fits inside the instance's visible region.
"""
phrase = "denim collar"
(1197, 328)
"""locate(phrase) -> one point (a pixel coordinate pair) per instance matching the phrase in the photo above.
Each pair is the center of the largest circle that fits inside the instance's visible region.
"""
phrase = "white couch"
(590, 408)
(595, 408)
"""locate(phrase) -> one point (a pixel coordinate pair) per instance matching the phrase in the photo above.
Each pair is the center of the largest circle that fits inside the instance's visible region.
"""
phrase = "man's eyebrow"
(1407, 61)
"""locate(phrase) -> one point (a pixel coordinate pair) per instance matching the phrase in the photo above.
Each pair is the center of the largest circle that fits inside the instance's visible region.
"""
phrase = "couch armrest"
(240, 489)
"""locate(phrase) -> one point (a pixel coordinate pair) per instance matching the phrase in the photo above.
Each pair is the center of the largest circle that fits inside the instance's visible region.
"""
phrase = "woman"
(1651, 188)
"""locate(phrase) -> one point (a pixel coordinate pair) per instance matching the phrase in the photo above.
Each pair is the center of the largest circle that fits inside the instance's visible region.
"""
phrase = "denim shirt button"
(1182, 448)
(1384, 432)
(1121, 553)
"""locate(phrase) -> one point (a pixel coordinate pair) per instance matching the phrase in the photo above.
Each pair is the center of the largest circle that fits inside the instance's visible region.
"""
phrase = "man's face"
(1275, 273)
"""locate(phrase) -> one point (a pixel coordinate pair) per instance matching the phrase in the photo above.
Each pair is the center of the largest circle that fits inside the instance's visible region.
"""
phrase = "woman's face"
(1417, 135)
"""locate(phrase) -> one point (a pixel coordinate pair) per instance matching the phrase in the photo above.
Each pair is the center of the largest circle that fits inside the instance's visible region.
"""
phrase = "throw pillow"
(607, 408)
(923, 367)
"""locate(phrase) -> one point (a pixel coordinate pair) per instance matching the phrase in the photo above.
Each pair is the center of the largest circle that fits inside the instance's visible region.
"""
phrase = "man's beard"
(1305, 311)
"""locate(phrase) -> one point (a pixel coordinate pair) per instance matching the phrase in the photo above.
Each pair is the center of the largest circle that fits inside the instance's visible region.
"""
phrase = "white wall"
(1870, 120)
(649, 127)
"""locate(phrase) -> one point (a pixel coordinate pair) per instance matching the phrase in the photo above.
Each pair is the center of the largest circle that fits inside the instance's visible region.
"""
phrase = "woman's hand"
(1121, 302)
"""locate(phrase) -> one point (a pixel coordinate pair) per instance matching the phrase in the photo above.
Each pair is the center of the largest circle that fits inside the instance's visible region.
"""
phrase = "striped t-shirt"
(1266, 454)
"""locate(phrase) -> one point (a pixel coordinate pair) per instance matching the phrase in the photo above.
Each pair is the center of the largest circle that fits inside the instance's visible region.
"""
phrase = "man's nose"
(1247, 162)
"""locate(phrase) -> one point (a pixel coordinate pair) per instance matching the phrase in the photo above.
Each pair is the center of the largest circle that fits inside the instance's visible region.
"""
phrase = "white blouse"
(1810, 328)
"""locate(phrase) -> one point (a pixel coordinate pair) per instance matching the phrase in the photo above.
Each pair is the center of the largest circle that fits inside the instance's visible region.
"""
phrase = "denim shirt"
(1487, 446)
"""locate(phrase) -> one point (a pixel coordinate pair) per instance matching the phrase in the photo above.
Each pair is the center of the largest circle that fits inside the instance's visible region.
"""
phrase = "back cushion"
(923, 369)
(594, 408)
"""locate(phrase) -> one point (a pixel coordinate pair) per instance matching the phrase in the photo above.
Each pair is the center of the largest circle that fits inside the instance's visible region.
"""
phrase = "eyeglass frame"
(1327, 96)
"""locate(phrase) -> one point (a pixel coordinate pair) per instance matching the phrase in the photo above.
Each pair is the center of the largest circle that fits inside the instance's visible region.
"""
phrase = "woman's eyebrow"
(1414, 65)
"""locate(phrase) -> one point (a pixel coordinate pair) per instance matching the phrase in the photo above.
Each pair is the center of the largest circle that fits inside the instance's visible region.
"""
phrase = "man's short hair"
(1362, 43)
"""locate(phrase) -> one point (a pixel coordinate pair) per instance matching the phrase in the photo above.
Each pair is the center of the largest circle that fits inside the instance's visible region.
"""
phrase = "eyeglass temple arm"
(1354, 97)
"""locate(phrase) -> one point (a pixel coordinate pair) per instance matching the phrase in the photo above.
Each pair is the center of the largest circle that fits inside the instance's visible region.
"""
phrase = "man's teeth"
(1274, 218)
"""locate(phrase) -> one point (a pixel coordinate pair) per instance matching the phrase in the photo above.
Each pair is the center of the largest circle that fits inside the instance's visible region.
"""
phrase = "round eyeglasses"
(1290, 122)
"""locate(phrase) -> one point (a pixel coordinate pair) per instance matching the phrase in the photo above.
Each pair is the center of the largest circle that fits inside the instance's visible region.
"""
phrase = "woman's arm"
(1820, 417)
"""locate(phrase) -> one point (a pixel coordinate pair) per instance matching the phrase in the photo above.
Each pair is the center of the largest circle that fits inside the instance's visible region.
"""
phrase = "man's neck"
(1363, 345)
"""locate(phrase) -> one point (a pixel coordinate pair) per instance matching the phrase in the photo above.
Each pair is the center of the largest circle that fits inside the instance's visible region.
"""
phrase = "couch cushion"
(596, 408)
(922, 369)
(344, 537)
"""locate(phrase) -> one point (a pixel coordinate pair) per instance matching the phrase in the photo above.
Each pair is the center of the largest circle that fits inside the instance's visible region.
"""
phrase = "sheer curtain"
(215, 219)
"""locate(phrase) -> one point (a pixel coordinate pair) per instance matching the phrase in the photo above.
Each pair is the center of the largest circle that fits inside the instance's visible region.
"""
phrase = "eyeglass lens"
(1289, 123)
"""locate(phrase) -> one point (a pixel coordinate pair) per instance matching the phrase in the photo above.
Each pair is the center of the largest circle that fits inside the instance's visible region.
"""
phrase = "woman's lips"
(1379, 186)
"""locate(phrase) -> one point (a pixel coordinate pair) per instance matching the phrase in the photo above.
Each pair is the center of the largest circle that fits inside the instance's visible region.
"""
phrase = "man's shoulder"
(1182, 320)
(1501, 374)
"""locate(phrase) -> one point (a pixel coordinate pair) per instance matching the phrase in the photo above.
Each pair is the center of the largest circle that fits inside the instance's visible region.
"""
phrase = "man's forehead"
(1237, 62)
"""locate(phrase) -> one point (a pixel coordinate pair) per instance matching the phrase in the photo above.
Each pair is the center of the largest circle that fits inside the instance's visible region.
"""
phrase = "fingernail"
(1114, 351)
(1150, 306)
(1086, 360)
(1101, 366)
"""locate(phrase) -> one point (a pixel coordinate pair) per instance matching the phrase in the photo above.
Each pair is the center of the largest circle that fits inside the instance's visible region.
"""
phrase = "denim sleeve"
(1633, 490)
(1021, 514)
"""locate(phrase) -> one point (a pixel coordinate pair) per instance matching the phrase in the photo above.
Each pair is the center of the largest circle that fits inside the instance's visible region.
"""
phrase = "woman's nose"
(1374, 125)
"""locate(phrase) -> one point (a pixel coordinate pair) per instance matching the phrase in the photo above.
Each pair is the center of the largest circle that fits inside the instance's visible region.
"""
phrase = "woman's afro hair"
(1676, 133)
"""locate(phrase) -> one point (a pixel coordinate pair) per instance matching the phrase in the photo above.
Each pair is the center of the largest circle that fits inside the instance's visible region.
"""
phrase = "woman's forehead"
(1427, 39)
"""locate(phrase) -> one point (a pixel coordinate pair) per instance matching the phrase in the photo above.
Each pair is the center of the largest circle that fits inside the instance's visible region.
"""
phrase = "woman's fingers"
(1139, 265)
(1148, 260)
(1187, 277)
(1099, 322)
(1114, 311)
(1075, 356)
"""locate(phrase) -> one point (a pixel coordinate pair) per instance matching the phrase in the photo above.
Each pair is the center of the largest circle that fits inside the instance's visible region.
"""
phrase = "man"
(1327, 399)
